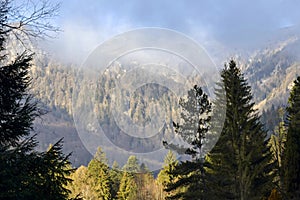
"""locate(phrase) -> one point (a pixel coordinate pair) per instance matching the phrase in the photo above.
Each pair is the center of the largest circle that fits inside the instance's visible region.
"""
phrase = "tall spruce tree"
(17, 107)
(189, 176)
(240, 162)
(291, 161)
(128, 189)
(25, 173)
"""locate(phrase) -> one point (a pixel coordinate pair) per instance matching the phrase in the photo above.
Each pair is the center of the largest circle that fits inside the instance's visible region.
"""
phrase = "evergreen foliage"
(277, 144)
(291, 161)
(189, 176)
(132, 165)
(17, 107)
(128, 187)
(170, 162)
(115, 175)
(24, 172)
(98, 172)
(240, 162)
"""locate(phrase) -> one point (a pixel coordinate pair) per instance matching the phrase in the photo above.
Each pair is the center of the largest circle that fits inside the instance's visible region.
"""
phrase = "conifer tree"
(240, 162)
(277, 144)
(24, 172)
(169, 164)
(164, 177)
(98, 172)
(132, 165)
(128, 187)
(291, 164)
(193, 128)
(115, 175)
(54, 173)
(17, 107)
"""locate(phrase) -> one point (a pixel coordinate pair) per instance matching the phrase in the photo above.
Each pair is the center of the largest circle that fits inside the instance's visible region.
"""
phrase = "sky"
(214, 24)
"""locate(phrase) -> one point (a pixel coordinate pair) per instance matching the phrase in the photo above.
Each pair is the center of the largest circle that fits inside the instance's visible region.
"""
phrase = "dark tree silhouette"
(24, 172)
(240, 162)
(291, 158)
(195, 118)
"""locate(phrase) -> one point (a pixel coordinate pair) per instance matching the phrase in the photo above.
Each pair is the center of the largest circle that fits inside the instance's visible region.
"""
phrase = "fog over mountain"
(218, 26)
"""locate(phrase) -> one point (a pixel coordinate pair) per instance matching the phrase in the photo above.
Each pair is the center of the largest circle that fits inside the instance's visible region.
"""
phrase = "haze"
(216, 25)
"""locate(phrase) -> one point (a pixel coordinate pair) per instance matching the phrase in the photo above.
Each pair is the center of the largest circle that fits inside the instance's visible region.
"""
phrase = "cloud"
(230, 23)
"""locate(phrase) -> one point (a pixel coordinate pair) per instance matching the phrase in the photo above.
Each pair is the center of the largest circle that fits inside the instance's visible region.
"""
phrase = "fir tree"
(190, 175)
(277, 144)
(115, 175)
(165, 177)
(291, 164)
(128, 187)
(240, 162)
(23, 170)
(17, 107)
(53, 169)
(132, 165)
(98, 172)
(170, 162)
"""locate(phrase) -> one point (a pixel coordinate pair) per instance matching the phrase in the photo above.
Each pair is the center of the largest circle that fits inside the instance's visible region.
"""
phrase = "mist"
(221, 27)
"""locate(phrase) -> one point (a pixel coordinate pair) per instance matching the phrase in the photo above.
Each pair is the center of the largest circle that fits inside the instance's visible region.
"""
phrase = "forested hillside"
(270, 73)
(154, 122)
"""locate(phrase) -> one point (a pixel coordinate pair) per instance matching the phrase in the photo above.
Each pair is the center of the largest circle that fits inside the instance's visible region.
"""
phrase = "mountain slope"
(270, 73)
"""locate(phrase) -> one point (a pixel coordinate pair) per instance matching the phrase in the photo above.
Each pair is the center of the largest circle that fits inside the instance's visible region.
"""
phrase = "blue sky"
(219, 23)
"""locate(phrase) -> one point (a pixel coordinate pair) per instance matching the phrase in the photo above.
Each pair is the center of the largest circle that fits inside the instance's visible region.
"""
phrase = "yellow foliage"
(275, 195)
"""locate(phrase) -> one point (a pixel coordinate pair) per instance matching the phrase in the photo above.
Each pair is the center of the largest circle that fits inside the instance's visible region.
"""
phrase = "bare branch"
(30, 19)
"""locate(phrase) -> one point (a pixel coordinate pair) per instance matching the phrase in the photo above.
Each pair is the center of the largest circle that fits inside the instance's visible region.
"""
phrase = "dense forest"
(254, 155)
(245, 163)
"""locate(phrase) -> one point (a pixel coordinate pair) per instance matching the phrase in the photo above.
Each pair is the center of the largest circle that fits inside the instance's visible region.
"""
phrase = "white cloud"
(213, 23)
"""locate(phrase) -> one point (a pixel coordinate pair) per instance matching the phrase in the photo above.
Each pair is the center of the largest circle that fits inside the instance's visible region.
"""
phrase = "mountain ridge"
(270, 72)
